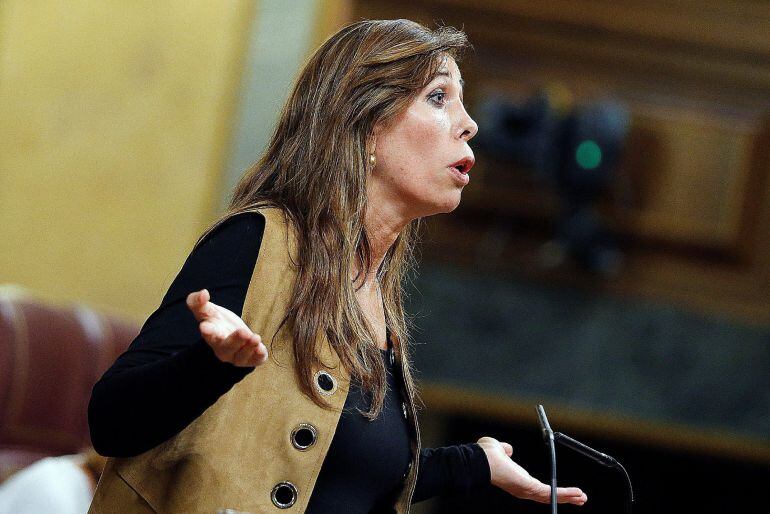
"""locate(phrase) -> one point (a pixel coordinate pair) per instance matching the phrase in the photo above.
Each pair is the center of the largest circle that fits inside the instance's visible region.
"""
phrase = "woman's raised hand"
(512, 478)
(225, 332)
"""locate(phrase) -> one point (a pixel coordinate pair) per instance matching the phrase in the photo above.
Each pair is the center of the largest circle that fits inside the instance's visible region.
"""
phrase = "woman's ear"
(372, 141)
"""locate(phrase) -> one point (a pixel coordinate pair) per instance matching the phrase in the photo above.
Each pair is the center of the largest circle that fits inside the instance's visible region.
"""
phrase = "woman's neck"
(383, 223)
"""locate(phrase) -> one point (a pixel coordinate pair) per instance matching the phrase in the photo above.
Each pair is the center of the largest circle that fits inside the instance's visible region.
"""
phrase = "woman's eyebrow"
(446, 74)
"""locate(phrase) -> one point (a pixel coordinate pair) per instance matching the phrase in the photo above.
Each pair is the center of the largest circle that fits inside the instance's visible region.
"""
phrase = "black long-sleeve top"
(169, 376)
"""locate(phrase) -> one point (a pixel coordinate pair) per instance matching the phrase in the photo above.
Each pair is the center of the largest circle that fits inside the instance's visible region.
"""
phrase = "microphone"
(585, 450)
(549, 438)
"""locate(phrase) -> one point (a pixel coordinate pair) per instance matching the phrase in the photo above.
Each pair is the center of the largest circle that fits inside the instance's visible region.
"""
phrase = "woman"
(275, 374)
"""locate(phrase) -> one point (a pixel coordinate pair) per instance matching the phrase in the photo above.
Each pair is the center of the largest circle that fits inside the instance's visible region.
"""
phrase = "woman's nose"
(467, 128)
(471, 130)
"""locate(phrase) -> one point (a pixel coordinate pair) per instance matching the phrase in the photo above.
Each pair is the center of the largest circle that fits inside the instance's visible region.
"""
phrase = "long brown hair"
(315, 170)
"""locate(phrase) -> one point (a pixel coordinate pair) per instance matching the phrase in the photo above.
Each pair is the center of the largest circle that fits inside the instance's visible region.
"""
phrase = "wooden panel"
(691, 178)
(738, 25)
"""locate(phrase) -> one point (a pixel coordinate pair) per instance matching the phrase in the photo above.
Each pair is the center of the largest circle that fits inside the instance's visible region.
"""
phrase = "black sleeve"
(169, 375)
(451, 470)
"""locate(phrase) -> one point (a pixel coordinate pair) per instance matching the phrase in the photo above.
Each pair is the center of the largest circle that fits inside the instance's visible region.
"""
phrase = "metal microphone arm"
(549, 438)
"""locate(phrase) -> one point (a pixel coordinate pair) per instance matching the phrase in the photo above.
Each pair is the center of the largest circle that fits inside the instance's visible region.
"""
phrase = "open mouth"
(460, 170)
(463, 165)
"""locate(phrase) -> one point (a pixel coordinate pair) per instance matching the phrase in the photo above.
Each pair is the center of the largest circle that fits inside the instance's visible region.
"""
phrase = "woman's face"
(414, 174)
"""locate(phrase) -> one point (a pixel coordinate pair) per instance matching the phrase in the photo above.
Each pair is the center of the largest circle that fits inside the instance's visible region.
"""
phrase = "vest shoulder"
(241, 223)
(274, 224)
(266, 216)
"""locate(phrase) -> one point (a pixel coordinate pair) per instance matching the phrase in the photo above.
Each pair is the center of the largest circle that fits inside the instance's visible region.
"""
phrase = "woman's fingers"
(198, 303)
(234, 342)
(241, 348)
(252, 353)
(225, 332)
(571, 495)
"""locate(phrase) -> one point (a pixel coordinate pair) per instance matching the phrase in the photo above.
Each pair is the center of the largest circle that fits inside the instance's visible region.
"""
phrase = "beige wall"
(114, 127)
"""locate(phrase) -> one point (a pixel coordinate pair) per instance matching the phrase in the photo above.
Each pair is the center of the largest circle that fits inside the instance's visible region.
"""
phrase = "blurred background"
(610, 258)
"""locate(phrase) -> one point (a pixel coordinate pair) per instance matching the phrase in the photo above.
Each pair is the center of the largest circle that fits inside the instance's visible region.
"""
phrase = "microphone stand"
(549, 438)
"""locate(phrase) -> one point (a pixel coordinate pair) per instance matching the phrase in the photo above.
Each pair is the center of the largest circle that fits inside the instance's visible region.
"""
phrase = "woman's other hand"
(226, 333)
(512, 478)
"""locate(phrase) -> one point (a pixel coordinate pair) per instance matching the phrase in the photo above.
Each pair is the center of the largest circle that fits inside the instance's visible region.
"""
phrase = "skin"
(411, 179)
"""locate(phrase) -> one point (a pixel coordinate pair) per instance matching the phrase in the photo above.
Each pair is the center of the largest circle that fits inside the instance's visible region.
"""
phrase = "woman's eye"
(438, 98)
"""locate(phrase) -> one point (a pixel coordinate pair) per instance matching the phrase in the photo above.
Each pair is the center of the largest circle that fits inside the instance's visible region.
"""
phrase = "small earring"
(372, 160)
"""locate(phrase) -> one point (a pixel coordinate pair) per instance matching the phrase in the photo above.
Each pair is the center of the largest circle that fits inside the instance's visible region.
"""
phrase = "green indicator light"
(588, 155)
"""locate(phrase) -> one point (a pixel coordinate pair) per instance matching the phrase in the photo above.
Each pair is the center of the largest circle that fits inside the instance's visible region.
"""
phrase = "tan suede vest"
(242, 452)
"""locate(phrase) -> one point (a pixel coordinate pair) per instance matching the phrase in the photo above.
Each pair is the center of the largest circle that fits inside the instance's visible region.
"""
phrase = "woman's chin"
(454, 201)
(447, 204)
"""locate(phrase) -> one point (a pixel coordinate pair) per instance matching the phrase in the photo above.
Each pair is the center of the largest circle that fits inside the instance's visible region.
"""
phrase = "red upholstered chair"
(50, 358)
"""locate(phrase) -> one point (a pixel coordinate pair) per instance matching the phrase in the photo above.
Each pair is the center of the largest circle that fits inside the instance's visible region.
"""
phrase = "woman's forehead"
(448, 68)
